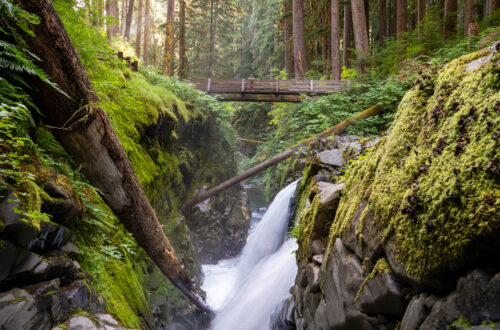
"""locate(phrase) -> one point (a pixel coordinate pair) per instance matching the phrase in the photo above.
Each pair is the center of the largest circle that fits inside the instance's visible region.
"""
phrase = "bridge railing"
(283, 87)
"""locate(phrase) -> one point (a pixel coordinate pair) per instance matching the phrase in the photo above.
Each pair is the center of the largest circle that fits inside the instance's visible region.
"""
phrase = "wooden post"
(128, 60)
(242, 85)
(120, 55)
(135, 66)
(312, 86)
(209, 85)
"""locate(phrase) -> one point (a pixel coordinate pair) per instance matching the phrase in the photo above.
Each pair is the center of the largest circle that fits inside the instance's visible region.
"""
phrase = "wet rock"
(63, 206)
(282, 316)
(78, 295)
(15, 230)
(317, 247)
(381, 295)
(81, 323)
(416, 312)
(107, 322)
(312, 273)
(18, 310)
(332, 158)
(51, 236)
(18, 265)
(476, 298)
(71, 250)
(318, 259)
(344, 276)
(48, 299)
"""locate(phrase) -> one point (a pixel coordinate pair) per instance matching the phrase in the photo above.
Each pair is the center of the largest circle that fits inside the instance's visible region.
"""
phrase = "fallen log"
(335, 130)
(85, 132)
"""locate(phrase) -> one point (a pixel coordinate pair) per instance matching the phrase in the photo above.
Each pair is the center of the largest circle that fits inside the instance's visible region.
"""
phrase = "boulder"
(17, 264)
(81, 323)
(332, 157)
(18, 310)
(71, 250)
(63, 206)
(416, 312)
(78, 295)
(50, 237)
(14, 229)
(476, 298)
(381, 295)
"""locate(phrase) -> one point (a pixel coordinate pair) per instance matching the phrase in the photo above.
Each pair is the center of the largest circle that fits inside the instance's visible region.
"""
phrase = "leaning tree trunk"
(360, 33)
(128, 22)
(335, 130)
(299, 43)
(335, 30)
(85, 132)
(139, 30)
(147, 15)
(169, 40)
(287, 36)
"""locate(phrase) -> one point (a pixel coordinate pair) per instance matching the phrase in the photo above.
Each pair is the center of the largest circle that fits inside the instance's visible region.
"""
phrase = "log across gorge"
(272, 90)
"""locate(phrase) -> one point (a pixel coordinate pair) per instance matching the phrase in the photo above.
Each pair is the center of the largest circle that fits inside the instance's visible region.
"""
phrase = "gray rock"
(282, 316)
(78, 295)
(18, 264)
(317, 247)
(51, 237)
(477, 298)
(318, 259)
(381, 295)
(332, 157)
(18, 310)
(416, 312)
(344, 276)
(64, 207)
(71, 250)
(15, 230)
(312, 272)
(81, 323)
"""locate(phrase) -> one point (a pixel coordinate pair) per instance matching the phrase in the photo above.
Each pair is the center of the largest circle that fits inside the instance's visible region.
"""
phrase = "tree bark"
(182, 40)
(450, 19)
(287, 37)
(421, 4)
(299, 43)
(360, 33)
(346, 56)
(382, 21)
(169, 40)
(401, 19)
(468, 16)
(128, 22)
(123, 17)
(214, 4)
(139, 30)
(147, 22)
(335, 130)
(494, 5)
(113, 23)
(335, 27)
(86, 134)
(393, 8)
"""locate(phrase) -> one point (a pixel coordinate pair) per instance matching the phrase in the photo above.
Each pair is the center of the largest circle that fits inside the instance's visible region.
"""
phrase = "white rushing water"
(244, 291)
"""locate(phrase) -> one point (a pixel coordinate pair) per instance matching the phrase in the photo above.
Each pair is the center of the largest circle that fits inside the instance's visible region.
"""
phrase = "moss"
(463, 323)
(382, 266)
(431, 183)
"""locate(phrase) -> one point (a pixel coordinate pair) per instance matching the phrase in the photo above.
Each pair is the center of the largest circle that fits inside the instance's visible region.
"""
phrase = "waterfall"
(244, 291)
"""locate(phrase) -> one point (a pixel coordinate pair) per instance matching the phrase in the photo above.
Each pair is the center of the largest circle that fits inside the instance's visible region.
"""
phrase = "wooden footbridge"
(252, 90)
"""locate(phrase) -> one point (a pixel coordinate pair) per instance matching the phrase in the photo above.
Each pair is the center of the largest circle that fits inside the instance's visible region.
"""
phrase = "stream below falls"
(244, 291)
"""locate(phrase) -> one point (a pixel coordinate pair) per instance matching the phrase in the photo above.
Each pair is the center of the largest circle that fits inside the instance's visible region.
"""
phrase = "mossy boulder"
(429, 192)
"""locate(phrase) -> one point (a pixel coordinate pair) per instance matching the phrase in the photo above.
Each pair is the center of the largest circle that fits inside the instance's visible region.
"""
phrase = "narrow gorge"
(136, 193)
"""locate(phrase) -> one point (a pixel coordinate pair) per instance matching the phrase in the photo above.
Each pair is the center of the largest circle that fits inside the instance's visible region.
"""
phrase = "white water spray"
(244, 291)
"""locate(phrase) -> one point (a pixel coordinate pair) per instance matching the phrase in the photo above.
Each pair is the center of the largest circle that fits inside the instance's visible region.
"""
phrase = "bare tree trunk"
(468, 16)
(346, 60)
(288, 35)
(401, 19)
(382, 21)
(139, 30)
(494, 5)
(336, 69)
(214, 5)
(393, 8)
(147, 22)
(360, 33)
(128, 22)
(450, 19)
(335, 130)
(86, 134)
(169, 40)
(420, 15)
(113, 13)
(182, 40)
(123, 20)
(299, 43)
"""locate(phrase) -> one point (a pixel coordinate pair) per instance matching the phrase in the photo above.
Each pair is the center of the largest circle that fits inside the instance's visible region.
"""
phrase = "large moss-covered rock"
(431, 186)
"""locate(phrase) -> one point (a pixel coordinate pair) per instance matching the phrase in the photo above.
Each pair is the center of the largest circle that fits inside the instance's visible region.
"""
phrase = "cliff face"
(409, 235)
